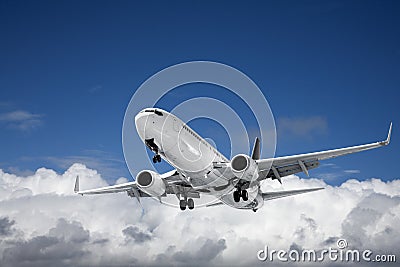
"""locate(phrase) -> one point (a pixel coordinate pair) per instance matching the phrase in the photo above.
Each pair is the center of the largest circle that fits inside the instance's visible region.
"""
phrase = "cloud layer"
(21, 120)
(42, 223)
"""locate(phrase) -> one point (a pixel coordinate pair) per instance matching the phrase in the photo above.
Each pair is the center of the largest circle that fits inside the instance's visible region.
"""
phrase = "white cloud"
(332, 172)
(21, 120)
(352, 171)
(42, 223)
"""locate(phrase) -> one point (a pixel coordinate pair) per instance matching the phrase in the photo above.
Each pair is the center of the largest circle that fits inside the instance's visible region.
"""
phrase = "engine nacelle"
(151, 183)
(244, 167)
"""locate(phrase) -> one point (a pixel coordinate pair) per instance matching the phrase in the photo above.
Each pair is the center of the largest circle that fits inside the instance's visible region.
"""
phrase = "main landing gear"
(183, 203)
(156, 158)
(237, 194)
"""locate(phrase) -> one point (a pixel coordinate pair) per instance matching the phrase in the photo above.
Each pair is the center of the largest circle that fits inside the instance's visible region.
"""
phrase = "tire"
(154, 159)
(182, 204)
(245, 195)
(190, 203)
(236, 196)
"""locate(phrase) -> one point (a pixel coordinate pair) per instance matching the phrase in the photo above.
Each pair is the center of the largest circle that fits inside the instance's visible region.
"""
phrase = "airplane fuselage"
(192, 156)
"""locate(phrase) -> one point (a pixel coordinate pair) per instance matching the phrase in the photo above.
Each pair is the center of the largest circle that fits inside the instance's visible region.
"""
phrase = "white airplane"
(201, 169)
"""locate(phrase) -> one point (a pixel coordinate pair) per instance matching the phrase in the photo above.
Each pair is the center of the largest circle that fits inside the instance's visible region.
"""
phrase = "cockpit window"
(159, 113)
(155, 111)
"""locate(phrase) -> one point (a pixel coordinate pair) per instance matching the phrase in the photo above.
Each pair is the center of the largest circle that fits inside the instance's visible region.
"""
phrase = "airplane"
(202, 169)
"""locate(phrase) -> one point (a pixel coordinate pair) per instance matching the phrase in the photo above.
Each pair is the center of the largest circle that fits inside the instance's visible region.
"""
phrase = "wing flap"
(287, 170)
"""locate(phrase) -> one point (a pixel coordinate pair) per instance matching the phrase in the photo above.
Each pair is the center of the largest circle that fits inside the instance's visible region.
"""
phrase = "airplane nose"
(140, 122)
(149, 121)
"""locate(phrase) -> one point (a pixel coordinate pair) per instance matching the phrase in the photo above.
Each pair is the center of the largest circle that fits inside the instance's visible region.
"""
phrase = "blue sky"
(69, 68)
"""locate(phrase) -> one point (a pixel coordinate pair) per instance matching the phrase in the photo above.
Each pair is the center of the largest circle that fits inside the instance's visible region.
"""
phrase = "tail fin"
(76, 188)
(256, 149)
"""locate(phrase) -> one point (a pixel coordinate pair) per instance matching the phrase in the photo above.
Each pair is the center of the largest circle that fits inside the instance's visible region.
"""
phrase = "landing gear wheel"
(190, 203)
(182, 204)
(245, 195)
(158, 158)
(155, 159)
(236, 195)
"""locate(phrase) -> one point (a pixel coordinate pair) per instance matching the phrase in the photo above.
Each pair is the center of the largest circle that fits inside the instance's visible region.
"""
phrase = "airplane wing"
(276, 168)
(174, 185)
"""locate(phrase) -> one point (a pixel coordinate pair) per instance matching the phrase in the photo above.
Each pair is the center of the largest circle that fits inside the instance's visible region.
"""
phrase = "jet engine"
(151, 183)
(244, 167)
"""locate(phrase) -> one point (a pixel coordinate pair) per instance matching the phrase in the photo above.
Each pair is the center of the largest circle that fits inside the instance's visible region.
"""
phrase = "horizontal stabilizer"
(107, 189)
(218, 203)
(274, 195)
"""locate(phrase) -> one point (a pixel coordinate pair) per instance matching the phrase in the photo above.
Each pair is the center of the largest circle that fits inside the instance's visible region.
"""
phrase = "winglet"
(76, 188)
(389, 134)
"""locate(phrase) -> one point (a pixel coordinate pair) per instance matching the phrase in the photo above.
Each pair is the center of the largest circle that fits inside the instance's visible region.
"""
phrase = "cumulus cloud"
(136, 235)
(21, 120)
(109, 164)
(42, 223)
(63, 244)
(206, 251)
(5, 226)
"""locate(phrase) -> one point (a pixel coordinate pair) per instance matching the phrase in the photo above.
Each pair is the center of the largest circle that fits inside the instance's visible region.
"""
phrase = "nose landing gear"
(153, 147)
(156, 158)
